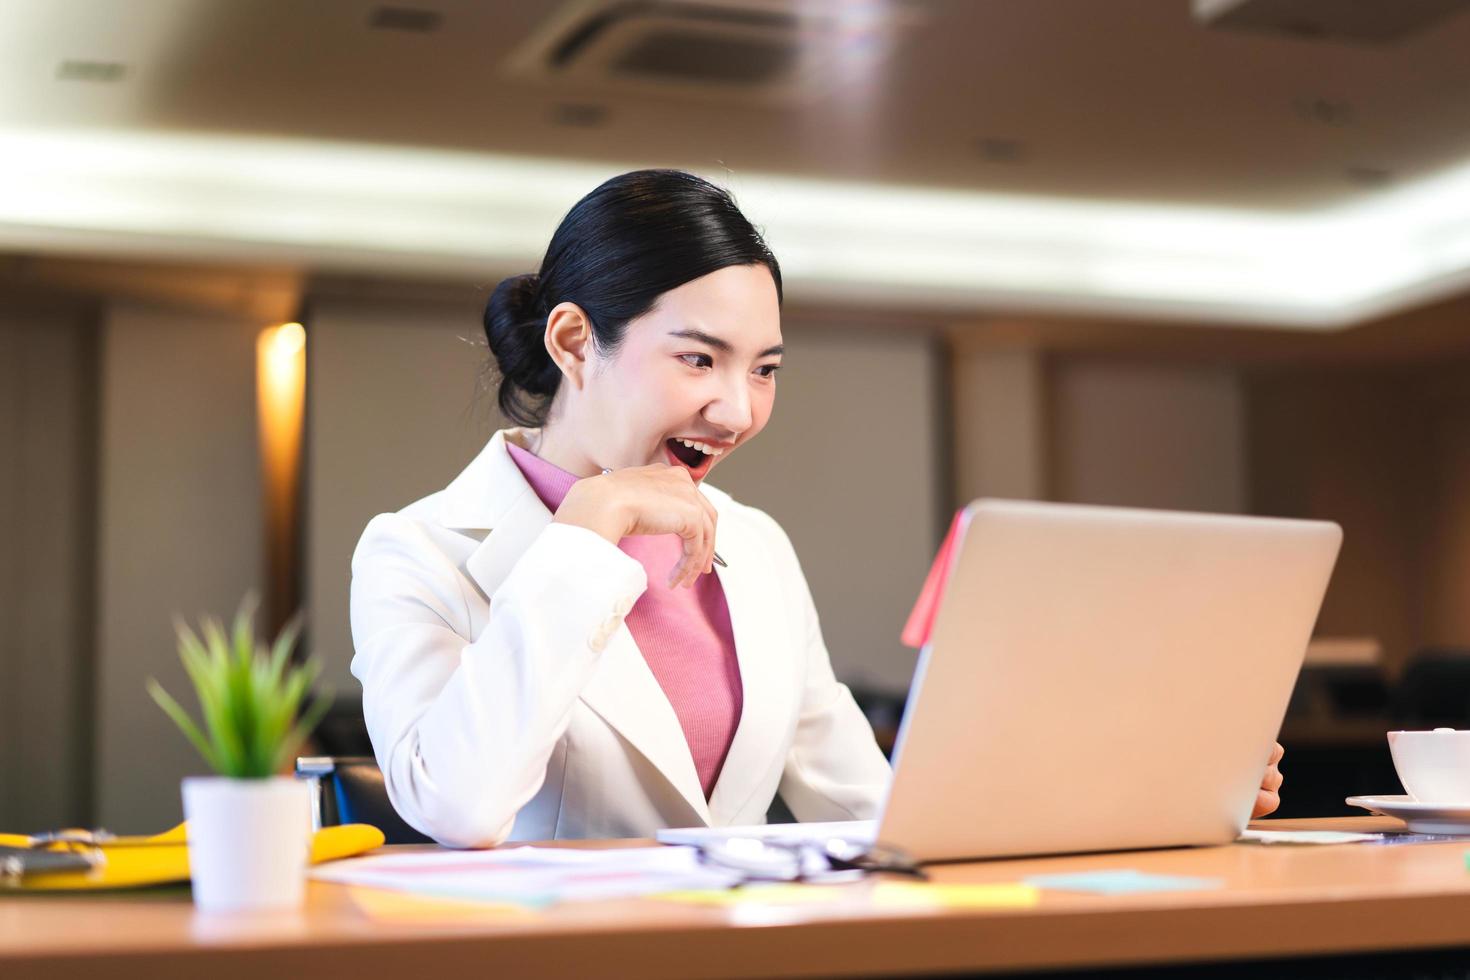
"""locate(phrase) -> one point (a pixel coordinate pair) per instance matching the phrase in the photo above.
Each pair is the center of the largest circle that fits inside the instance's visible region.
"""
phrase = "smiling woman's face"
(699, 367)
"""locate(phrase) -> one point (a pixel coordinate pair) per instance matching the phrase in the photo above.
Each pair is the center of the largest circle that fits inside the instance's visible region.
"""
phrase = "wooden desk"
(1278, 901)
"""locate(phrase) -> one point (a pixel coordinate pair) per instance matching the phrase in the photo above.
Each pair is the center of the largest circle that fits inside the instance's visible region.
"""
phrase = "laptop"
(1095, 678)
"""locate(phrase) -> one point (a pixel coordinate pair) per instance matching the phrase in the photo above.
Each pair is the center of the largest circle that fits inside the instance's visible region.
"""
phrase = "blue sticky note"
(1121, 882)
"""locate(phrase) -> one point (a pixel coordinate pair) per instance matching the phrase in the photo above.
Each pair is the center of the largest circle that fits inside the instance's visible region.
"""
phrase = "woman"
(546, 646)
(550, 646)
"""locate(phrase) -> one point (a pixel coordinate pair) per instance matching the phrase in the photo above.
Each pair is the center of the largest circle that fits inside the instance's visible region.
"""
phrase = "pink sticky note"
(921, 619)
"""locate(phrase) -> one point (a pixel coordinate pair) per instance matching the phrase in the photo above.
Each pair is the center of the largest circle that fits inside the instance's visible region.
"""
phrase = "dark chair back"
(349, 789)
(342, 730)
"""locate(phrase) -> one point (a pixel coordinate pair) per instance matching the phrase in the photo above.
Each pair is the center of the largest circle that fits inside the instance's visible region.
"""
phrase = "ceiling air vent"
(1360, 21)
(413, 20)
(705, 60)
(747, 49)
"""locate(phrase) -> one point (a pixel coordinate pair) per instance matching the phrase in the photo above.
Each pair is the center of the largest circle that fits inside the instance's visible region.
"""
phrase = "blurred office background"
(1198, 254)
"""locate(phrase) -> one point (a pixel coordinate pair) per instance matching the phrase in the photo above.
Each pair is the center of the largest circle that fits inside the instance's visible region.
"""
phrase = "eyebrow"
(723, 346)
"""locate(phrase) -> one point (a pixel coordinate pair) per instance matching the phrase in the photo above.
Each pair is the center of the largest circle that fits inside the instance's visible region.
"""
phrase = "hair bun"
(514, 301)
(515, 322)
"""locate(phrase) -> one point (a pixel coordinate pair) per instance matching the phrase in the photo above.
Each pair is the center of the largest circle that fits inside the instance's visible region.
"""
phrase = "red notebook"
(921, 621)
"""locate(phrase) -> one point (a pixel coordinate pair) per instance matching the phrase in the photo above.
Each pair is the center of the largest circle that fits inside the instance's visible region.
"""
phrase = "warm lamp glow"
(280, 385)
(287, 340)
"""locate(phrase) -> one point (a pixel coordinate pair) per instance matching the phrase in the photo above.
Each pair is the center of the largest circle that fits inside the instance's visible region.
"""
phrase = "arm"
(834, 770)
(462, 728)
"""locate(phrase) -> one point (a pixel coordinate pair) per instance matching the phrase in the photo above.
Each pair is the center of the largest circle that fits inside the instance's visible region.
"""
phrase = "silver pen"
(717, 559)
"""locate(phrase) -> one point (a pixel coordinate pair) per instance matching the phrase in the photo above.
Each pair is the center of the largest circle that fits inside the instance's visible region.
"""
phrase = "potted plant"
(249, 827)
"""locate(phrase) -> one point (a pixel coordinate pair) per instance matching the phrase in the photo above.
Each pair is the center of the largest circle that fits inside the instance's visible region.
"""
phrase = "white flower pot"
(249, 841)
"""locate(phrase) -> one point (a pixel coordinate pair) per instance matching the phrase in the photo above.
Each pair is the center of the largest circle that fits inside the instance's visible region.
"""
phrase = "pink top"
(684, 634)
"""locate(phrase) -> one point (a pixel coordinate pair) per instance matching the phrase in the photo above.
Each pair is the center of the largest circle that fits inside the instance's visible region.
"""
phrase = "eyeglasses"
(825, 860)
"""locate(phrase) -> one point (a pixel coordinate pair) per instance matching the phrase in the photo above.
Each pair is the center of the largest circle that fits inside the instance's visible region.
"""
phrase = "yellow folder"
(135, 862)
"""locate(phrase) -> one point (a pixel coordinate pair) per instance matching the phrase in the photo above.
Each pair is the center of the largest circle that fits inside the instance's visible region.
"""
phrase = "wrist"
(603, 517)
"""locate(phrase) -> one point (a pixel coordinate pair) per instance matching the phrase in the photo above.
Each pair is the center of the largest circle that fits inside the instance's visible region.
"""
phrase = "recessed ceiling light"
(1369, 176)
(996, 149)
(414, 20)
(1325, 111)
(584, 115)
(1307, 30)
(82, 70)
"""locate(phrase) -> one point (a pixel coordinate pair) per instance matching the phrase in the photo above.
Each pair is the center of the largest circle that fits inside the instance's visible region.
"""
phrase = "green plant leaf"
(203, 674)
(237, 705)
(281, 650)
(186, 724)
(250, 694)
(303, 728)
(213, 688)
(242, 638)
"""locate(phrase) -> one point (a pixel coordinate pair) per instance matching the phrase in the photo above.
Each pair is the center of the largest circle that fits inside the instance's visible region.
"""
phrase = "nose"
(730, 410)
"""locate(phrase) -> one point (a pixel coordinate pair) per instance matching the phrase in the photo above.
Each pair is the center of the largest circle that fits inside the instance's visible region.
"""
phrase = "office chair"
(342, 730)
(349, 789)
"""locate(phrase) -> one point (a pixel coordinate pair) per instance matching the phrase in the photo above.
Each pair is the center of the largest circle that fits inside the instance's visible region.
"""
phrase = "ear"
(569, 341)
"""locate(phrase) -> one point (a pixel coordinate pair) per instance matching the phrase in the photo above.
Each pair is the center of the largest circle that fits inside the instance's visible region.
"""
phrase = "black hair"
(619, 249)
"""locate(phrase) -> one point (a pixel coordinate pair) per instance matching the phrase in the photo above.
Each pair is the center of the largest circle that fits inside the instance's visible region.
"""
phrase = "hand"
(656, 499)
(1269, 796)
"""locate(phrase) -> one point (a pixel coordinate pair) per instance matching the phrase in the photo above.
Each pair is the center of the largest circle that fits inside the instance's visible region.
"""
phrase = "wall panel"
(47, 429)
(1143, 434)
(180, 532)
(395, 409)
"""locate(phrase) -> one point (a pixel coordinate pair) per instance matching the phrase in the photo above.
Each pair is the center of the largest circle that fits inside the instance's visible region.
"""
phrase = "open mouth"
(691, 458)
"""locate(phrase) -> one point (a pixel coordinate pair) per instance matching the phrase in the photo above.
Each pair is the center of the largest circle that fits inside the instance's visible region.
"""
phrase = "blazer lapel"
(628, 697)
(492, 493)
(765, 674)
(514, 531)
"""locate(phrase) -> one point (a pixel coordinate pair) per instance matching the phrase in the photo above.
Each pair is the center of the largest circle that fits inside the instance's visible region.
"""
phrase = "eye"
(768, 370)
(697, 360)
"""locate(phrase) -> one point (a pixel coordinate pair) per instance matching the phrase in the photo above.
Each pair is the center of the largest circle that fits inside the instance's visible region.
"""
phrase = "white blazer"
(506, 700)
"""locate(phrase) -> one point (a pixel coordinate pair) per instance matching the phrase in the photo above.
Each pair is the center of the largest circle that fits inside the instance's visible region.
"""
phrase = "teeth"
(707, 450)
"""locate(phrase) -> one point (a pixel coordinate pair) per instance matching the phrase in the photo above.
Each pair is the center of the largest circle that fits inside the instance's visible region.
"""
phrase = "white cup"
(1433, 766)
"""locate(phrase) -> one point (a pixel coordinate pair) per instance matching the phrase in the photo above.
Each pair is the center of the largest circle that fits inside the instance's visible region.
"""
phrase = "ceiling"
(1126, 99)
(1102, 104)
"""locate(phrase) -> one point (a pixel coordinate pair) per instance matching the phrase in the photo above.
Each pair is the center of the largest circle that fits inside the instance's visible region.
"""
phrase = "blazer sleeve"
(463, 727)
(834, 769)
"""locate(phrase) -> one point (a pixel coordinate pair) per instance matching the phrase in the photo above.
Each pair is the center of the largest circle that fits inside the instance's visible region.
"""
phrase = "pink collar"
(551, 482)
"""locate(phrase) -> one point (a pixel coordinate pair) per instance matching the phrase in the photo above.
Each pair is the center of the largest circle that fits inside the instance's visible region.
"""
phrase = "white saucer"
(1422, 818)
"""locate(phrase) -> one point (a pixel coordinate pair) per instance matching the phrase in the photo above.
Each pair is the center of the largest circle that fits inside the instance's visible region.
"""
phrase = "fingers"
(1272, 780)
(697, 529)
(692, 533)
(698, 533)
(1268, 797)
(1266, 802)
(679, 574)
(713, 517)
(697, 546)
(703, 561)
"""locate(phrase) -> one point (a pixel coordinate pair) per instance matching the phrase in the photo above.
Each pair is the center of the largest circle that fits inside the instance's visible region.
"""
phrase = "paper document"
(1307, 837)
(533, 876)
(1122, 881)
